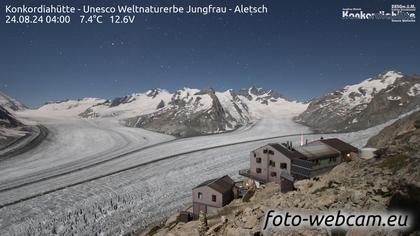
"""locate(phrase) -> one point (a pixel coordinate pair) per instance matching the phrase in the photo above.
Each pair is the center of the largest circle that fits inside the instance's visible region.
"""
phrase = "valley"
(53, 175)
(127, 199)
(105, 165)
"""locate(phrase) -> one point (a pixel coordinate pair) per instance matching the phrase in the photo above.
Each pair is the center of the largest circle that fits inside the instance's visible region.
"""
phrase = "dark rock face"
(9, 124)
(161, 104)
(364, 105)
(153, 92)
(240, 107)
(7, 120)
(121, 100)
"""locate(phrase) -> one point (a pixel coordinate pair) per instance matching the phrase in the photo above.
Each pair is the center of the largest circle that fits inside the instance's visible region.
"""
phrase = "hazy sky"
(301, 49)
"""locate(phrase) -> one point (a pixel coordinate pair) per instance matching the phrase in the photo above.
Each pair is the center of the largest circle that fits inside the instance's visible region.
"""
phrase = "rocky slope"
(15, 135)
(402, 137)
(360, 106)
(185, 112)
(391, 182)
(191, 114)
(10, 104)
(7, 120)
(10, 128)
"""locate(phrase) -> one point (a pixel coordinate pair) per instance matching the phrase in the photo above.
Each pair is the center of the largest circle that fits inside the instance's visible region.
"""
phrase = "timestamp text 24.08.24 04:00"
(66, 19)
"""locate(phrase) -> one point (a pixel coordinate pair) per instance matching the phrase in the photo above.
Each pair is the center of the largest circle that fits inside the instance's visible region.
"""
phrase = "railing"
(302, 163)
(301, 171)
(247, 173)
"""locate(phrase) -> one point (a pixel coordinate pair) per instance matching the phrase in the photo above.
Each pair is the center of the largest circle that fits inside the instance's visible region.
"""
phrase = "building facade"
(212, 194)
(268, 162)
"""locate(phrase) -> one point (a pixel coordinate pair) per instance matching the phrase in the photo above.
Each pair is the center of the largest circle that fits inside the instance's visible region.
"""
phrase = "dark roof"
(221, 185)
(320, 151)
(339, 145)
(285, 151)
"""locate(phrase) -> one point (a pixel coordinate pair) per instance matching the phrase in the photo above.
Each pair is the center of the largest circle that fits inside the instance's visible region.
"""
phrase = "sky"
(300, 48)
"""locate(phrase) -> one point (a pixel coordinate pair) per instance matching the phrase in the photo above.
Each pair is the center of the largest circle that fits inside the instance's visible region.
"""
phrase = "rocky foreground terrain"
(389, 182)
(403, 135)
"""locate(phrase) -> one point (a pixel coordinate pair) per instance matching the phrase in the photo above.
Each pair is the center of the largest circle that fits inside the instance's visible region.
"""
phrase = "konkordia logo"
(397, 13)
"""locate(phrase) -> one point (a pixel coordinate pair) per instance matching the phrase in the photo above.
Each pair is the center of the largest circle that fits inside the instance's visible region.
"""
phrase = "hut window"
(265, 151)
(333, 159)
(270, 152)
(200, 195)
(213, 198)
(283, 165)
(258, 160)
(258, 170)
(272, 163)
(255, 155)
(273, 174)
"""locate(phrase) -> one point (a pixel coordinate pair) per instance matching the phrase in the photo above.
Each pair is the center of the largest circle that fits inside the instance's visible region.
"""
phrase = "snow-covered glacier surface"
(98, 177)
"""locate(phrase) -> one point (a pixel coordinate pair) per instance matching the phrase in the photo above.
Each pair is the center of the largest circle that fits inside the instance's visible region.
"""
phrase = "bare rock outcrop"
(360, 185)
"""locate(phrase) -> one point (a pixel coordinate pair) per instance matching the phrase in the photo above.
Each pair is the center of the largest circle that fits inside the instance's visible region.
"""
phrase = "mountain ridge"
(368, 103)
(187, 111)
(190, 111)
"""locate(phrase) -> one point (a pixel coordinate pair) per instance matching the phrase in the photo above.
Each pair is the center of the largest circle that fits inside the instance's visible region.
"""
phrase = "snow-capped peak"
(232, 108)
(264, 96)
(365, 104)
(155, 91)
(392, 74)
(186, 92)
(362, 93)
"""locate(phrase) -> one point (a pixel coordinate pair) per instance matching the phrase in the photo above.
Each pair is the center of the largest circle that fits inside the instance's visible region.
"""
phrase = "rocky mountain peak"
(368, 103)
(154, 92)
(185, 112)
(260, 94)
(390, 74)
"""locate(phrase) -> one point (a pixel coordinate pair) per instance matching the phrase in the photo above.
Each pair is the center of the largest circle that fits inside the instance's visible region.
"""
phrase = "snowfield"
(94, 176)
(75, 141)
(367, 89)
